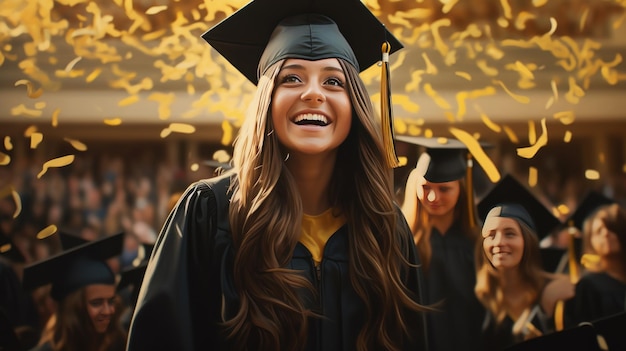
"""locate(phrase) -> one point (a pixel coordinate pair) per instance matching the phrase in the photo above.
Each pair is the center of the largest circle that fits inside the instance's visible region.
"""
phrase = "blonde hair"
(488, 289)
(265, 216)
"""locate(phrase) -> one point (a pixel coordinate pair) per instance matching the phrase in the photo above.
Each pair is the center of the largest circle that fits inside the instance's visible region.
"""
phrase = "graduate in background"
(519, 295)
(601, 290)
(299, 246)
(83, 285)
(439, 207)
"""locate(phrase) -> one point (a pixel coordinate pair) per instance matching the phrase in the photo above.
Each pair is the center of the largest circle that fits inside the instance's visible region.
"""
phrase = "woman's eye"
(290, 78)
(335, 81)
(96, 303)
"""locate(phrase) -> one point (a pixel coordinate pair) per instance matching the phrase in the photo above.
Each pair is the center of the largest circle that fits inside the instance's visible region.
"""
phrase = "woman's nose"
(313, 92)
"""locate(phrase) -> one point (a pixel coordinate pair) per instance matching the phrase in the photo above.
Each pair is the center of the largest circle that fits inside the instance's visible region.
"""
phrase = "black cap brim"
(510, 191)
(242, 37)
(590, 203)
(48, 270)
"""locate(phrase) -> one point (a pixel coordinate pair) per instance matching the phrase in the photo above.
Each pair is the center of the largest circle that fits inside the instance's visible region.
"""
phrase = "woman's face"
(503, 242)
(100, 302)
(311, 109)
(603, 241)
(440, 198)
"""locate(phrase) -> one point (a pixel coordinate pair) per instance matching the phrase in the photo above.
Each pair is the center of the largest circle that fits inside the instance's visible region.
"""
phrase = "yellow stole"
(316, 230)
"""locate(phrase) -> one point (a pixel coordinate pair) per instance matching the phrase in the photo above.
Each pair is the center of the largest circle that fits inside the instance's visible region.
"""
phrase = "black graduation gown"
(189, 283)
(498, 337)
(597, 295)
(451, 279)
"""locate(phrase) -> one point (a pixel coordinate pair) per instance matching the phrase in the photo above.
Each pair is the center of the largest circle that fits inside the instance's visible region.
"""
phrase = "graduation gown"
(597, 295)
(188, 288)
(450, 280)
(498, 337)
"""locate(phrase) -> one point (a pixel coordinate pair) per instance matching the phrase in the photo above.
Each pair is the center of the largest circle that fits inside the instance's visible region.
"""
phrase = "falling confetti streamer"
(55, 163)
(478, 153)
(530, 151)
(35, 140)
(47, 231)
(532, 176)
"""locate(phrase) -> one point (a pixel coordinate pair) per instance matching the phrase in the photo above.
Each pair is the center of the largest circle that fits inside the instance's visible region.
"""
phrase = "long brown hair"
(488, 289)
(265, 215)
(71, 329)
(614, 218)
(419, 222)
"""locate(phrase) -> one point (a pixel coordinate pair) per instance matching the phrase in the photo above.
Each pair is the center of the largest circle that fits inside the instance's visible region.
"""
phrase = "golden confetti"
(113, 121)
(30, 88)
(511, 134)
(441, 102)
(532, 132)
(463, 75)
(155, 9)
(55, 117)
(165, 133)
(490, 124)
(530, 151)
(76, 144)
(592, 174)
(227, 133)
(478, 153)
(128, 101)
(4, 159)
(17, 200)
(567, 137)
(47, 231)
(532, 176)
(8, 145)
(21, 110)
(54, 163)
(71, 64)
(563, 209)
(182, 128)
(519, 98)
(5, 248)
(194, 167)
(93, 75)
(565, 117)
(35, 139)
(29, 131)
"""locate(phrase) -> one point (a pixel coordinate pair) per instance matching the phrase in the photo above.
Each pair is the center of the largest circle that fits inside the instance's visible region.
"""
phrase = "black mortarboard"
(9, 250)
(582, 337)
(509, 198)
(266, 31)
(587, 206)
(69, 241)
(76, 267)
(444, 159)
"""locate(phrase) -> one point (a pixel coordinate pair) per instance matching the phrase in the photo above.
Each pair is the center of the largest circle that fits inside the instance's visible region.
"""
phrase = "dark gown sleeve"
(175, 300)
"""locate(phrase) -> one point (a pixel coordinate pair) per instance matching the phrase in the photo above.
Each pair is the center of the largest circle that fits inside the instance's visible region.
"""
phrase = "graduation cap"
(264, 32)
(444, 159)
(509, 198)
(75, 268)
(592, 201)
(69, 241)
(582, 337)
(9, 250)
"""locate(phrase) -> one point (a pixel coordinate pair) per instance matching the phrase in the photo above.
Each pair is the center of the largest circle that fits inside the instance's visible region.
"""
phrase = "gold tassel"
(571, 253)
(470, 190)
(386, 110)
